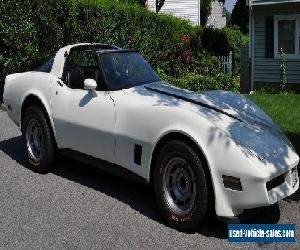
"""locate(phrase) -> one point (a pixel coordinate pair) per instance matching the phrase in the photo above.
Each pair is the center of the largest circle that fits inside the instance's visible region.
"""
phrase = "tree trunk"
(144, 3)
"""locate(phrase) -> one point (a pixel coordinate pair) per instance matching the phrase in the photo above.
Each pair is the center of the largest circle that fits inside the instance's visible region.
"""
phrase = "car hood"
(249, 126)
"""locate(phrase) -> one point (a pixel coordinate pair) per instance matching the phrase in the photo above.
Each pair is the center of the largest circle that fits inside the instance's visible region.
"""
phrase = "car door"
(83, 122)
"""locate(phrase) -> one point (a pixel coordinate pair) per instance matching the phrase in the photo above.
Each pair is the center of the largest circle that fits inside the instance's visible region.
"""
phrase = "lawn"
(284, 110)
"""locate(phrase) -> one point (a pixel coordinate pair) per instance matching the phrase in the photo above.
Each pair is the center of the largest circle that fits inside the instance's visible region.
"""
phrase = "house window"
(287, 36)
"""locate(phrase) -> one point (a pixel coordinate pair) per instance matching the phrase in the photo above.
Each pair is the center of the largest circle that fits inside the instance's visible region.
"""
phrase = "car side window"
(81, 58)
(81, 65)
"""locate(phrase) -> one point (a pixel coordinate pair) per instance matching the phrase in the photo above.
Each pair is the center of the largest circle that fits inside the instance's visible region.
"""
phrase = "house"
(190, 9)
(217, 16)
(274, 24)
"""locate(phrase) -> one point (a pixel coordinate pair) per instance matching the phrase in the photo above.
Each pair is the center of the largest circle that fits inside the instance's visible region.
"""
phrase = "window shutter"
(269, 37)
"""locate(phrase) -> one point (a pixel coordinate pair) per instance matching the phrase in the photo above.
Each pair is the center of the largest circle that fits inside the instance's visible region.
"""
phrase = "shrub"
(158, 37)
(282, 69)
(196, 82)
(31, 31)
(222, 41)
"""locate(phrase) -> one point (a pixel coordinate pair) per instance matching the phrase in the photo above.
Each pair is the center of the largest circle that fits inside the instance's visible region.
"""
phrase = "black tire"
(45, 160)
(190, 218)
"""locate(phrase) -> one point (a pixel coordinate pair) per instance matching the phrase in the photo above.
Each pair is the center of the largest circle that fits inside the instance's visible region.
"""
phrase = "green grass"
(284, 108)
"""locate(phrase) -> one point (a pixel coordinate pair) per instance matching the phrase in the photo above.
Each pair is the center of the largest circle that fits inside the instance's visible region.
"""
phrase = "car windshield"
(126, 69)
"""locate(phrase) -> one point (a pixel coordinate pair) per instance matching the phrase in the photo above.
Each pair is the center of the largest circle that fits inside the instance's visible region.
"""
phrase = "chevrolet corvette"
(201, 152)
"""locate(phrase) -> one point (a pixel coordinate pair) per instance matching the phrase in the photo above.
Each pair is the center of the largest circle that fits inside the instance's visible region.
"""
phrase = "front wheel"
(39, 144)
(180, 186)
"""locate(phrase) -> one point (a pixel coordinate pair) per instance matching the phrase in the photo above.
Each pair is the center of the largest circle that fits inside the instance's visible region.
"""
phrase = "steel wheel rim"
(35, 140)
(179, 185)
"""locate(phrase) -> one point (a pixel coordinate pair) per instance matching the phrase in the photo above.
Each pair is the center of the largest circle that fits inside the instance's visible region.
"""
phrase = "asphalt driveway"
(78, 206)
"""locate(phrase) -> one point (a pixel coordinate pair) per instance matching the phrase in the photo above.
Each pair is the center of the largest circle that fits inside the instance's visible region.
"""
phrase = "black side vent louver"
(137, 154)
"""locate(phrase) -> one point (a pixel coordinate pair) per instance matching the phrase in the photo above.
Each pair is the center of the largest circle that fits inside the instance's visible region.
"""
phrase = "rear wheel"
(180, 186)
(39, 144)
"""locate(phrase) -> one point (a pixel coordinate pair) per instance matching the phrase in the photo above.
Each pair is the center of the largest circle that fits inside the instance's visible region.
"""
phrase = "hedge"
(222, 41)
(33, 30)
(197, 82)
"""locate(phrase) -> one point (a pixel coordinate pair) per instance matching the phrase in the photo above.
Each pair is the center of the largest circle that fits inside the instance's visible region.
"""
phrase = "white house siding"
(188, 9)
(267, 70)
(217, 17)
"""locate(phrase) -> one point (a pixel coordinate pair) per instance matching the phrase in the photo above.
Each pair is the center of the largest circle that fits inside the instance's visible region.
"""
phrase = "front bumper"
(289, 185)
(260, 192)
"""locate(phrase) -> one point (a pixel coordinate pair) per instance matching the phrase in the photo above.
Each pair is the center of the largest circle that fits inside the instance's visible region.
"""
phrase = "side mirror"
(91, 85)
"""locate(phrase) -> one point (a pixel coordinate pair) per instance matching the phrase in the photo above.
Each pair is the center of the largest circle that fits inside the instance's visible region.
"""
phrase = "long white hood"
(247, 125)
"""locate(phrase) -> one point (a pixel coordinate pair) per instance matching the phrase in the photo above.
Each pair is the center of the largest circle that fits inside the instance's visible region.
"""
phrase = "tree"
(228, 16)
(205, 10)
(144, 3)
(240, 16)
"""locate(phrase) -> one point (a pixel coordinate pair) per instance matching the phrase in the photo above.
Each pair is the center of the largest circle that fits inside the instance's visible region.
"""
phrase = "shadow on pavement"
(266, 215)
(15, 149)
(138, 196)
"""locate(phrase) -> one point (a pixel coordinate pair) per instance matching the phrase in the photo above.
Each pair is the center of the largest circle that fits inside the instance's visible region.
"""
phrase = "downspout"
(252, 44)
(199, 12)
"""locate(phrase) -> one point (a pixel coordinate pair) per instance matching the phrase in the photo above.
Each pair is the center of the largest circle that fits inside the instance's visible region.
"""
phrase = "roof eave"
(256, 3)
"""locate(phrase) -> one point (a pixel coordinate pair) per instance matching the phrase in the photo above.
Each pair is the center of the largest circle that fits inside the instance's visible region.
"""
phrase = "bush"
(196, 82)
(163, 39)
(41, 27)
(31, 31)
(222, 41)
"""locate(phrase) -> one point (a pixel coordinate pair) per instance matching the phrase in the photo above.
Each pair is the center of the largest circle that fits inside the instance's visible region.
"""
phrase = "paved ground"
(77, 206)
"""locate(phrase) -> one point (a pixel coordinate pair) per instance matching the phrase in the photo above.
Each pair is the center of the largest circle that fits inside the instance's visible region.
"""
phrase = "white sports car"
(215, 148)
